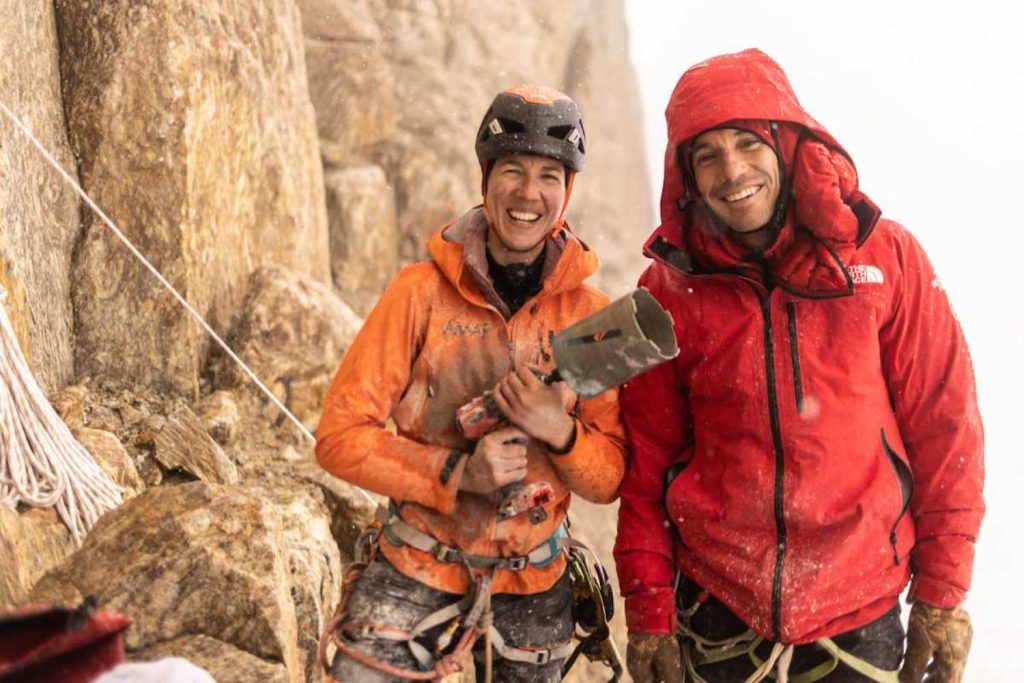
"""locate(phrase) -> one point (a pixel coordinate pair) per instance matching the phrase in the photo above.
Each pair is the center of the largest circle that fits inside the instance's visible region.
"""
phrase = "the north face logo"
(864, 275)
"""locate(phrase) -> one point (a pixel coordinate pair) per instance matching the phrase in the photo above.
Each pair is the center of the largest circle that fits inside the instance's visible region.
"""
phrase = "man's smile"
(739, 195)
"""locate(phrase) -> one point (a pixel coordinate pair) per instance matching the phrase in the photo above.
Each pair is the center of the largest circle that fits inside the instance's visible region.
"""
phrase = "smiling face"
(737, 175)
(525, 195)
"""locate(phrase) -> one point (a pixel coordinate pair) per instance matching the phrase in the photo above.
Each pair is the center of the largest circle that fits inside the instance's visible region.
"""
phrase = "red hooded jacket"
(817, 441)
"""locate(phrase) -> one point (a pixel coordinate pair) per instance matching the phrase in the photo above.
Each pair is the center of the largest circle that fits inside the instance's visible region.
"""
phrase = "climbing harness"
(472, 615)
(41, 464)
(398, 532)
(699, 651)
(170, 288)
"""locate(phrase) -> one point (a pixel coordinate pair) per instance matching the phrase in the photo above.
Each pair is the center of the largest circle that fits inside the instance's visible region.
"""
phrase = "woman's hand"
(540, 410)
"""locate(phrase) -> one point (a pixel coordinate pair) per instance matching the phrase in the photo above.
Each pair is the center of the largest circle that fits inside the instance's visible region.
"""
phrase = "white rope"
(780, 659)
(41, 464)
(160, 278)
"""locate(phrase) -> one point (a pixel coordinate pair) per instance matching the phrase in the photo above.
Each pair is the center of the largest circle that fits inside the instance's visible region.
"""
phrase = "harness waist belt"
(401, 533)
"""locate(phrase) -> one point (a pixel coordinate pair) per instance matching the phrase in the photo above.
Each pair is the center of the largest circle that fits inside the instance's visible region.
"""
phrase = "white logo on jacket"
(865, 275)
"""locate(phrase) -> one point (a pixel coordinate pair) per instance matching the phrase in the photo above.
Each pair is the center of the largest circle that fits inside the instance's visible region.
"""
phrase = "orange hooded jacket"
(439, 337)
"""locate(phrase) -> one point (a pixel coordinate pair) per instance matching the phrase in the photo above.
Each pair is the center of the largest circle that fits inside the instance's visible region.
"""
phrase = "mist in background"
(927, 100)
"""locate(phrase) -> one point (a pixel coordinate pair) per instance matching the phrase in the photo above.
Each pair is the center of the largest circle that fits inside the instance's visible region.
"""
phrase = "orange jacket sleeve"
(352, 441)
(594, 467)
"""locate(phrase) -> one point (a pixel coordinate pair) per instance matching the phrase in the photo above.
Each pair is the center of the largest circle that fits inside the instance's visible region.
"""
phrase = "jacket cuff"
(449, 475)
(568, 446)
(935, 593)
(652, 611)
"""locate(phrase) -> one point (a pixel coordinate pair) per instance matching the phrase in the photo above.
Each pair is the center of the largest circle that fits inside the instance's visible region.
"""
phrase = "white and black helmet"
(532, 119)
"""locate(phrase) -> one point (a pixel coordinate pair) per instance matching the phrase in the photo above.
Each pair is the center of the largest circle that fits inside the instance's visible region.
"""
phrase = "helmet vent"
(564, 133)
(571, 134)
(510, 126)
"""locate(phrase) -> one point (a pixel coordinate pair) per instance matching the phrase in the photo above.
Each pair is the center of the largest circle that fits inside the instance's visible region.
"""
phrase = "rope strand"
(76, 485)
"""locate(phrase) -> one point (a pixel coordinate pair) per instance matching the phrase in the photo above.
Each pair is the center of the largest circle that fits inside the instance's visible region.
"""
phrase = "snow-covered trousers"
(382, 595)
(879, 643)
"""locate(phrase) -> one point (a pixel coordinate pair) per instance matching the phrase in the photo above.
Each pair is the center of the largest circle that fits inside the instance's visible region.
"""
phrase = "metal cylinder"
(629, 336)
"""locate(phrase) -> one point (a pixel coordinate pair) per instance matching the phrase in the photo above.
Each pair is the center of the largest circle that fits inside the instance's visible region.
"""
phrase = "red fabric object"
(52, 643)
(820, 229)
(831, 215)
(821, 417)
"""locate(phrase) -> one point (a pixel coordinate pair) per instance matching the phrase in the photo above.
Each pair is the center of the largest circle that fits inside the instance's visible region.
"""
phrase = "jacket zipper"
(780, 522)
(798, 389)
(893, 459)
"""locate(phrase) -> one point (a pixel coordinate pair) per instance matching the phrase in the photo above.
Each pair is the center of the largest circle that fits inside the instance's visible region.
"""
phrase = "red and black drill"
(625, 338)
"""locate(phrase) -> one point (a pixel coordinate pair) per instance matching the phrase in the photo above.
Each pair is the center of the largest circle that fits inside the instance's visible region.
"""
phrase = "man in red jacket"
(816, 445)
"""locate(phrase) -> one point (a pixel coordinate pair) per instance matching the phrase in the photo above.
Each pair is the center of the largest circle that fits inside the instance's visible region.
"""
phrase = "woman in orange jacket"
(479, 315)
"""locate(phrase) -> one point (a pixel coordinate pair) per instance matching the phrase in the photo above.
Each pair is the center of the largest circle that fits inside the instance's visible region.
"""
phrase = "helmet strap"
(570, 177)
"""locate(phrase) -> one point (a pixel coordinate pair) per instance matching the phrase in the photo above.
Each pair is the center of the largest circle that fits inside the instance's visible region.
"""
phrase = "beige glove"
(653, 658)
(942, 636)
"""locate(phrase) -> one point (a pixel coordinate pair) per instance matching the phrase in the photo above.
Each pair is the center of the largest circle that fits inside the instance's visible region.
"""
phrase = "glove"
(653, 658)
(942, 636)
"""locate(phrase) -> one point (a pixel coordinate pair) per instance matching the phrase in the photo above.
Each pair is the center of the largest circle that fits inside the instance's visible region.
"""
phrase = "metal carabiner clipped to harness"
(592, 608)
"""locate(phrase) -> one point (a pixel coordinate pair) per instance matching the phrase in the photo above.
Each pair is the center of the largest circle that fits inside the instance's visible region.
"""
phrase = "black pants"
(879, 643)
(383, 595)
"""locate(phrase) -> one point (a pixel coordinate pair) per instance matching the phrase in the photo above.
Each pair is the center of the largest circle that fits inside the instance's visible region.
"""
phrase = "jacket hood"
(459, 250)
(826, 217)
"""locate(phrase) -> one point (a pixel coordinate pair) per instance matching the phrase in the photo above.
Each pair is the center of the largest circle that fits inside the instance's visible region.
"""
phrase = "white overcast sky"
(927, 98)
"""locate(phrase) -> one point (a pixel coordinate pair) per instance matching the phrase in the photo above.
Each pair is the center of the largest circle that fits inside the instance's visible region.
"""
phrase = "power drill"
(625, 338)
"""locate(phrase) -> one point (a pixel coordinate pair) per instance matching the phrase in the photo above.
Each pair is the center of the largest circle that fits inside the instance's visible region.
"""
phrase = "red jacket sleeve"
(931, 384)
(655, 413)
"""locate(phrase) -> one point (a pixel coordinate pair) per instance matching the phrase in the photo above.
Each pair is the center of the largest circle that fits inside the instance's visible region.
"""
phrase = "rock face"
(314, 572)
(225, 663)
(350, 511)
(611, 198)
(31, 543)
(113, 459)
(351, 80)
(292, 333)
(219, 412)
(180, 442)
(364, 233)
(220, 561)
(194, 131)
(38, 212)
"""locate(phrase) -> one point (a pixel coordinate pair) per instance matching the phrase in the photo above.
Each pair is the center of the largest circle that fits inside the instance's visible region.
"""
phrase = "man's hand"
(942, 636)
(654, 658)
(538, 409)
(499, 459)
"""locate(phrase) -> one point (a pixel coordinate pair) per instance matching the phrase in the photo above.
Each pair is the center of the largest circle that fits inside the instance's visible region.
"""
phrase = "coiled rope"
(41, 464)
